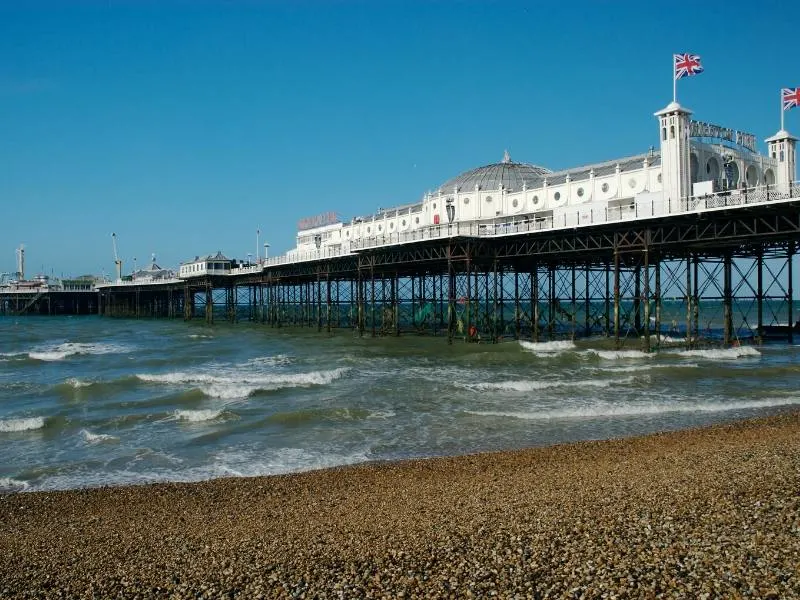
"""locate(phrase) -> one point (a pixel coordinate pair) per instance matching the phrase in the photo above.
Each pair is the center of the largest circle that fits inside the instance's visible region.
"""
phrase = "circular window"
(536, 199)
(604, 187)
(391, 225)
(434, 206)
(466, 200)
(631, 182)
(416, 221)
(368, 230)
(557, 196)
(659, 178)
(348, 234)
(403, 223)
(488, 199)
(580, 192)
(515, 203)
(380, 227)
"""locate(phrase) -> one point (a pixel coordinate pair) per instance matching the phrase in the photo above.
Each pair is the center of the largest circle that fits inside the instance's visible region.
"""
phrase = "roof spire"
(506, 157)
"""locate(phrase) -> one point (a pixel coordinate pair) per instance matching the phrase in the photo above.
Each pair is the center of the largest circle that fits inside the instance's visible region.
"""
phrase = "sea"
(91, 401)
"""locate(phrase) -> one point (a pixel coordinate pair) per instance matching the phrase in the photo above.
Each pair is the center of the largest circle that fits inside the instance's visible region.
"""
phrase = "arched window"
(672, 132)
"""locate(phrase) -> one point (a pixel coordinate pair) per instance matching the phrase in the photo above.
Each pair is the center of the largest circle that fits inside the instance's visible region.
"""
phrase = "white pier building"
(697, 167)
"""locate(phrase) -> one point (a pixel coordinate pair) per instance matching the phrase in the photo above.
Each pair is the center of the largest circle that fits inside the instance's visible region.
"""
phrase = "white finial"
(506, 157)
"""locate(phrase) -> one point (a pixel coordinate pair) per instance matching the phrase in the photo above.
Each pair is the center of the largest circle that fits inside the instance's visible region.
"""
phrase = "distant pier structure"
(692, 242)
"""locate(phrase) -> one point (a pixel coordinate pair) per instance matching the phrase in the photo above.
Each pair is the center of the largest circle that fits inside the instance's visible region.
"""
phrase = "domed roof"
(512, 175)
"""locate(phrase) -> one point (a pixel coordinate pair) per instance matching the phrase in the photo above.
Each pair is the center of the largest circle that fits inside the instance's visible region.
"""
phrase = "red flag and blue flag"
(686, 65)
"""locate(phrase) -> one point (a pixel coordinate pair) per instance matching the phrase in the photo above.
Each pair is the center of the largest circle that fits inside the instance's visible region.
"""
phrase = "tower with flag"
(782, 146)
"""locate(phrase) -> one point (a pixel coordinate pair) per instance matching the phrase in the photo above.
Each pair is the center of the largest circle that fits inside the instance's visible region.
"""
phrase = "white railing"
(139, 281)
(584, 216)
(587, 216)
(306, 255)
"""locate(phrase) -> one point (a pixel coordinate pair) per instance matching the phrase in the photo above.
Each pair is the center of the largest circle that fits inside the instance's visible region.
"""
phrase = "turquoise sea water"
(86, 401)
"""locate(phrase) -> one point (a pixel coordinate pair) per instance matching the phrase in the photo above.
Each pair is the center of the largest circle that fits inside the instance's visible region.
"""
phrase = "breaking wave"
(196, 416)
(237, 385)
(24, 424)
(62, 351)
(531, 385)
(97, 438)
(548, 348)
(607, 409)
(722, 353)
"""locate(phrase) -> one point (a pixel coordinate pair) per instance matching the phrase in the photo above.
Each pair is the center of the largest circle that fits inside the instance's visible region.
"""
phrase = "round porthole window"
(604, 187)
(466, 200)
(403, 223)
(416, 220)
(434, 206)
(557, 196)
(488, 199)
(380, 227)
(580, 192)
(536, 199)
(515, 203)
(391, 225)
(368, 229)
(659, 178)
(632, 183)
(347, 234)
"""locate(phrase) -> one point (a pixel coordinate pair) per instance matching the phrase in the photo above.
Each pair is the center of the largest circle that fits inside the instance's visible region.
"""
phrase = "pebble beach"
(709, 513)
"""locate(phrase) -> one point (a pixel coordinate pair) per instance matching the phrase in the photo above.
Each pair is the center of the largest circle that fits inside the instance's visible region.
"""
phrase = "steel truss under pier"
(722, 277)
(48, 302)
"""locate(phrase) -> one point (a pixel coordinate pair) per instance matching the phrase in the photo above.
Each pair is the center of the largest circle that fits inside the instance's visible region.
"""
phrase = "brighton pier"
(692, 242)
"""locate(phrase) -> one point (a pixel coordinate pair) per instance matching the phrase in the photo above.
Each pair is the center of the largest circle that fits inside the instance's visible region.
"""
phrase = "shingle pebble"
(704, 513)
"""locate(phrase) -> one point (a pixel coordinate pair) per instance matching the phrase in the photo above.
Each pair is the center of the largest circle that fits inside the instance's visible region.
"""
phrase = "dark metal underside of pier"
(712, 277)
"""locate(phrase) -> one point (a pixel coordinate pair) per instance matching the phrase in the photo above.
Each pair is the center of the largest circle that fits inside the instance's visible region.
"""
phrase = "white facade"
(653, 183)
(213, 264)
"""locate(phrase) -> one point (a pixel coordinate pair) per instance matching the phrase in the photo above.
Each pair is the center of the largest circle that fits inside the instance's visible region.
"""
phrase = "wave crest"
(24, 424)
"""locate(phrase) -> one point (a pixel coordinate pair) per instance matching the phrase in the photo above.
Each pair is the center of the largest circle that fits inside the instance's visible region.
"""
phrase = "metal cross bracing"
(709, 278)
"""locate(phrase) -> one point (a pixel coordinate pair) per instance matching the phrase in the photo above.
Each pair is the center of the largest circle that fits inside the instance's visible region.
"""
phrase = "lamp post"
(249, 259)
(258, 234)
(133, 275)
(266, 250)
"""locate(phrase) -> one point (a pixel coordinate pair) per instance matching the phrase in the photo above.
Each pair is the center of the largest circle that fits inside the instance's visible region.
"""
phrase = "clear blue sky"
(185, 126)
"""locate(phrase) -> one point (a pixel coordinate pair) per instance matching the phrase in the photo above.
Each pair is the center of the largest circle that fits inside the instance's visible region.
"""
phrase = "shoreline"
(707, 510)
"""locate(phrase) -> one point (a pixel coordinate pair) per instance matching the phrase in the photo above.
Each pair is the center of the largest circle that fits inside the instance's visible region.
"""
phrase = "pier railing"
(585, 216)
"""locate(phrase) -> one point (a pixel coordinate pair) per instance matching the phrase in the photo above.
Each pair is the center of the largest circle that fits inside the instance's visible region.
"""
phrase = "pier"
(719, 270)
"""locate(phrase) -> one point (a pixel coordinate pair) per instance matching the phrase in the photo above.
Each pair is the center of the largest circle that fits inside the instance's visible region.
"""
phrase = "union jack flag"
(687, 64)
(790, 97)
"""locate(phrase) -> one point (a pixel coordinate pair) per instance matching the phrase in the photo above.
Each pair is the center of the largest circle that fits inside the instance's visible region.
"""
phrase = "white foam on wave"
(620, 354)
(240, 384)
(722, 353)
(548, 348)
(97, 438)
(77, 383)
(270, 361)
(8, 484)
(24, 424)
(532, 385)
(237, 462)
(648, 367)
(62, 351)
(608, 409)
(197, 416)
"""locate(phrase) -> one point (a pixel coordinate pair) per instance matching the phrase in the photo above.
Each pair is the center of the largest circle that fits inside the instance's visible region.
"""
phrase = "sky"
(187, 127)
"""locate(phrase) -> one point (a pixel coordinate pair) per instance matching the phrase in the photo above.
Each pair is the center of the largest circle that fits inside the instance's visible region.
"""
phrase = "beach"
(709, 512)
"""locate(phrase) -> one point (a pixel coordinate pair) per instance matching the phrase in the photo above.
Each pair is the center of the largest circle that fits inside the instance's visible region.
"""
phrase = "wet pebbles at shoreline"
(711, 512)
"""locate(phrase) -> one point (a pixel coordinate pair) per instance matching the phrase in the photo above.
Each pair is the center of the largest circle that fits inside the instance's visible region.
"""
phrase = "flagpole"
(674, 82)
(780, 95)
